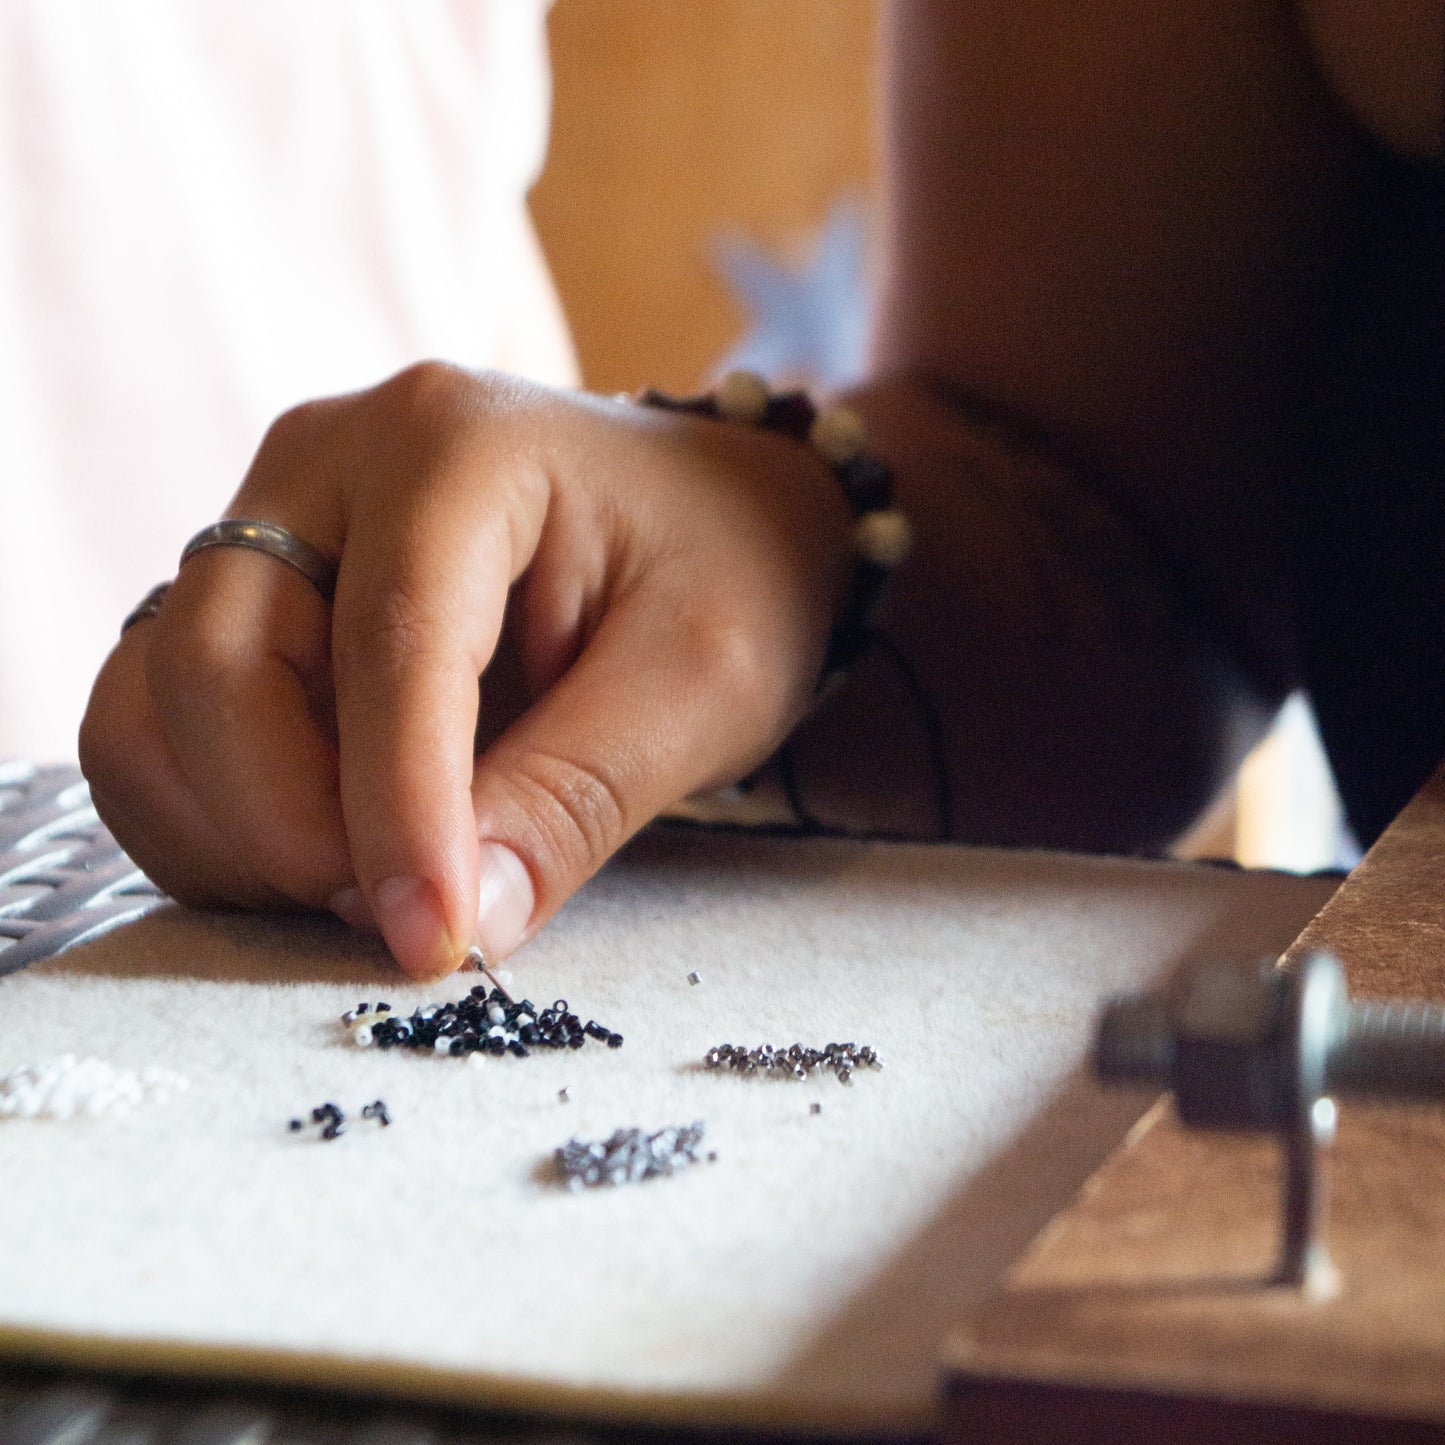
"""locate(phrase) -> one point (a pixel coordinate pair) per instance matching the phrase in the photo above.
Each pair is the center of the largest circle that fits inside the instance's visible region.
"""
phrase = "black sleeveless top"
(1367, 515)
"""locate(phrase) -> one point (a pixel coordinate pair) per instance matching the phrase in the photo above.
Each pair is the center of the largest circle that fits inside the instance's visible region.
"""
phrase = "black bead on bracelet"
(881, 534)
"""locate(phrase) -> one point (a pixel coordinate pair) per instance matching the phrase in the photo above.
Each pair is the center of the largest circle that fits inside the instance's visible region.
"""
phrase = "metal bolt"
(1392, 1048)
(1267, 1048)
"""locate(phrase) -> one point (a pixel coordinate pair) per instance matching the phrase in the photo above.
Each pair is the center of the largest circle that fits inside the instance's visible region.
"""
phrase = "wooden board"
(674, 124)
(1144, 1309)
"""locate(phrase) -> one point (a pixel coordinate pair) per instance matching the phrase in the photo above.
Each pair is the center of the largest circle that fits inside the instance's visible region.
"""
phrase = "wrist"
(881, 535)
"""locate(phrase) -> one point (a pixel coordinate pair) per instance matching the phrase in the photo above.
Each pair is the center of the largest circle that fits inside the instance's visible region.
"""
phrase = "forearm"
(1086, 696)
(1117, 227)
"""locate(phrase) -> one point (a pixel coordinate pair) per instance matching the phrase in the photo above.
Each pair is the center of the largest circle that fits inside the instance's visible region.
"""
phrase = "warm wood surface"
(1153, 1282)
(672, 123)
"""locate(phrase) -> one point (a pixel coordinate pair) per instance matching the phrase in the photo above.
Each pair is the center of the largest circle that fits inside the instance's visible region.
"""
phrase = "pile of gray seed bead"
(794, 1062)
(629, 1156)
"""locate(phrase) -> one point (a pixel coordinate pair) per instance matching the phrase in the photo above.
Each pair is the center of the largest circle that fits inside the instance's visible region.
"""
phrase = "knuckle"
(296, 429)
(198, 663)
(732, 659)
(576, 809)
(437, 398)
(427, 393)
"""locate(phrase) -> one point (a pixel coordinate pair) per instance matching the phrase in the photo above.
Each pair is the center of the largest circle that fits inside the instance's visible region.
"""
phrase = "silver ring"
(148, 606)
(317, 568)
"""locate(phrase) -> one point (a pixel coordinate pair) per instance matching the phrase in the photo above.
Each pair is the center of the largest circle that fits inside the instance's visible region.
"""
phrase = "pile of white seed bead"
(64, 1087)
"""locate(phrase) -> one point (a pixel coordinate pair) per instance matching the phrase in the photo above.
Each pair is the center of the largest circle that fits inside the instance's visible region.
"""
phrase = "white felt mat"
(804, 1279)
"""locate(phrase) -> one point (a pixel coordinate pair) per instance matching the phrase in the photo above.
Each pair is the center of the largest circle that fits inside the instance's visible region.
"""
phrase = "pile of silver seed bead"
(480, 1023)
(629, 1156)
(795, 1061)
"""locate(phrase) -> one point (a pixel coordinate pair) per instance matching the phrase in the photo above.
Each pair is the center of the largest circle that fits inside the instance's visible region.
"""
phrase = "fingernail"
(505, 899)
(351, 907)
(410, 915)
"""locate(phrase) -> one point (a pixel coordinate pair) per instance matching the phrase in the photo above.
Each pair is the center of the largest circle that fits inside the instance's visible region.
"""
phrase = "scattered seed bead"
(815, 1108)
(332, 1120)
(363, 1037)
(694, 978)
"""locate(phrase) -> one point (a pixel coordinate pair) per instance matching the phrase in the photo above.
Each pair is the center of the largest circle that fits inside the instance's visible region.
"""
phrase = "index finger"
(418, 610)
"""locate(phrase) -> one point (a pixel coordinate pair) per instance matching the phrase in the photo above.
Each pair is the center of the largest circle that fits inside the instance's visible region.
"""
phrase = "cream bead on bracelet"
(881, 535)
(882, 539)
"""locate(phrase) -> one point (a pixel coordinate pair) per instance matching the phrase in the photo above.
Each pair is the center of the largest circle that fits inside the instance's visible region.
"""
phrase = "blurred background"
(705, 203)
(210, 212)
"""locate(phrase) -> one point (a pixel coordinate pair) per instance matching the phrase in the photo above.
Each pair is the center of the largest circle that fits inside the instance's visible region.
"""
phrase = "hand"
(644, 597)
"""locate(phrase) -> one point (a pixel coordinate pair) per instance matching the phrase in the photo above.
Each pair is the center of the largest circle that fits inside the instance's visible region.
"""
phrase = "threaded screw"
(1391, 1048)
(1265, 1048)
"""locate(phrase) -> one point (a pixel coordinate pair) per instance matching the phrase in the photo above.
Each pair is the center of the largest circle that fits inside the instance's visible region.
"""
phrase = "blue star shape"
(807, 324)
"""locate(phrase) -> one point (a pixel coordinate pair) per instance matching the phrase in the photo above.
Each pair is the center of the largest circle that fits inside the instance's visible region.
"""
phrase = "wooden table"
(1145, 1312)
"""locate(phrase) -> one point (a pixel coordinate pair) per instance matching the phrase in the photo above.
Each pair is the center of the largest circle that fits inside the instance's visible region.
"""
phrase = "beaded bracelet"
(881, 535)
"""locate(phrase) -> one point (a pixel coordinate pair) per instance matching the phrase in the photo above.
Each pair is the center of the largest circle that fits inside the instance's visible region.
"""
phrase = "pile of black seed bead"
(480, 1023)
(795, 1061)
(629, 1156)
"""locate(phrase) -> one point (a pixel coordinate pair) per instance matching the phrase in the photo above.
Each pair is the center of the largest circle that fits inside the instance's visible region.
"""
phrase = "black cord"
(932, 727)
(809, 823)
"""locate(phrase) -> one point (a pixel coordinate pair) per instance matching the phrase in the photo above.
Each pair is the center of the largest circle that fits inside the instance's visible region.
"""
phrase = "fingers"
(234, 664)
(658, 705)
(143, 798)
(418, 609)
(230, 686)
(357, 799)
(328, 756)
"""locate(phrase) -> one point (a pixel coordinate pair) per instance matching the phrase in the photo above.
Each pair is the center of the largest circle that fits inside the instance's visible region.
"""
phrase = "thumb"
(654, 708)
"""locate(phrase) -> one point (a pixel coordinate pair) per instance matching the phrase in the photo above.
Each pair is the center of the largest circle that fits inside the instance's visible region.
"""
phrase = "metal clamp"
(1266, 1048)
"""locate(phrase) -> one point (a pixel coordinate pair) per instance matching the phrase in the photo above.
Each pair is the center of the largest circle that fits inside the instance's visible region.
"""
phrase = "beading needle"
(478, 961)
